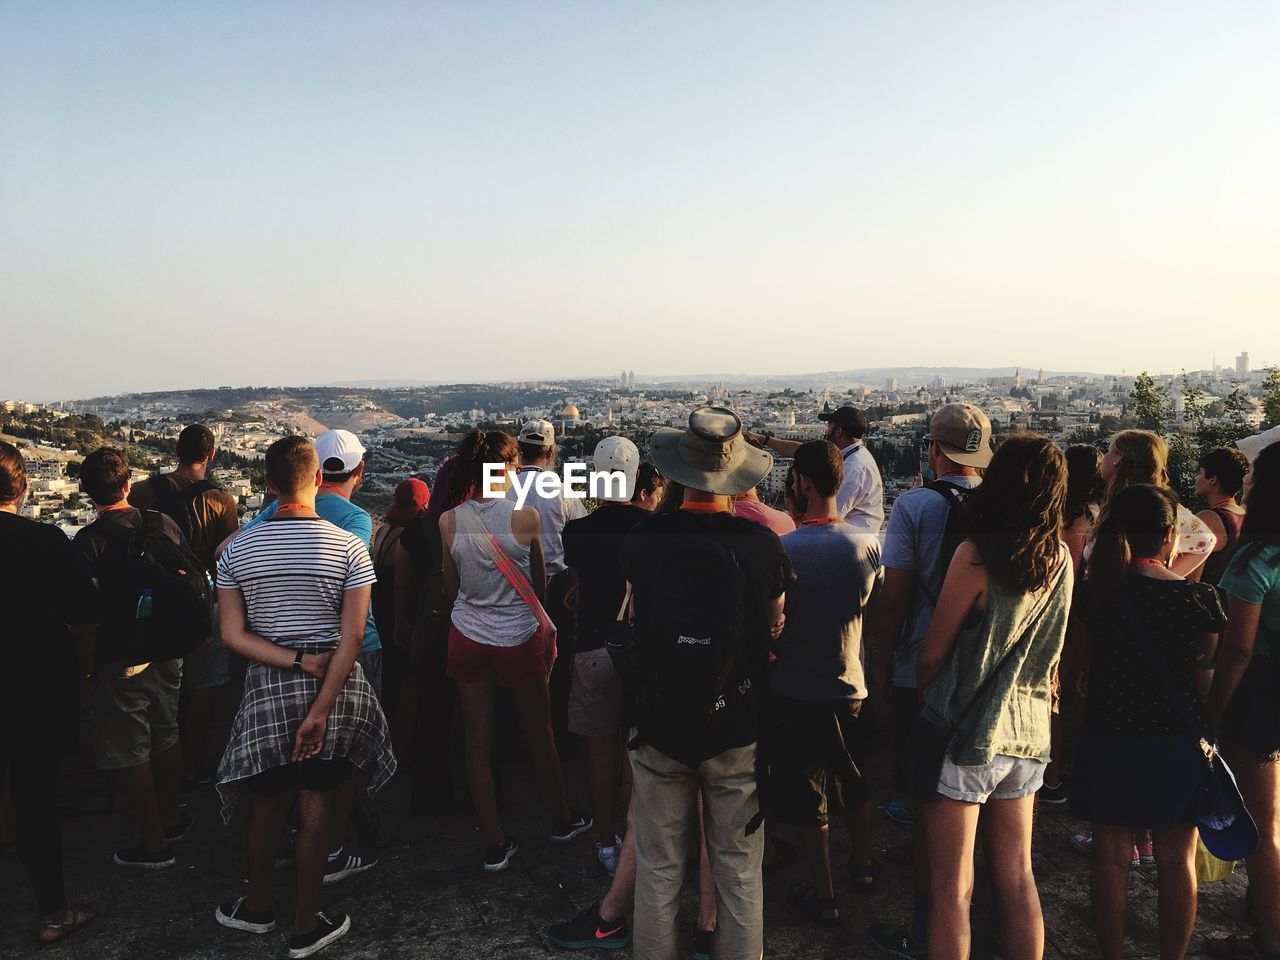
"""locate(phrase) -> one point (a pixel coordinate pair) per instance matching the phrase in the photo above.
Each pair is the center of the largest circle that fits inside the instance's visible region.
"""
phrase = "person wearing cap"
(537, 445)
(958, 448)
(409, 501)
(592, 550)
(709, 590)
(341, 456)
(861, 497)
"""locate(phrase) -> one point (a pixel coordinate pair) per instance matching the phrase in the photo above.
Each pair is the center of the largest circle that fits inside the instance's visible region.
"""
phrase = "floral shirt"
(1194, 536)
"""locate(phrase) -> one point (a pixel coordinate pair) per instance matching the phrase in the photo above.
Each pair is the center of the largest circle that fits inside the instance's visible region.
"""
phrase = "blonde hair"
(1145, 459)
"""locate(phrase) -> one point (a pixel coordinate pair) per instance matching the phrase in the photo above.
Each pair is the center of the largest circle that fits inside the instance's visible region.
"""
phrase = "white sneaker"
(608, 855)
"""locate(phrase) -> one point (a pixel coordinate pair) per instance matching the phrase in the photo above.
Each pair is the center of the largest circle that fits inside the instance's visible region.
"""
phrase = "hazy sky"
(197, 194)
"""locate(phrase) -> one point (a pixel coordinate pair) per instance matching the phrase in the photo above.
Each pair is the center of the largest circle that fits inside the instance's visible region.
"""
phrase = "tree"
(1194, 403)
(1083, 435)
(1271, 397)
(1150, 403)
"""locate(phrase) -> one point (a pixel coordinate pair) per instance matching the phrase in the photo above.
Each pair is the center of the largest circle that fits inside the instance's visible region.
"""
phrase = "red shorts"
(471, 662)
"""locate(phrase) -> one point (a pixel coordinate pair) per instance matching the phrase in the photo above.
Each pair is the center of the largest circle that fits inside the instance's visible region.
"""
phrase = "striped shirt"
(293, 573)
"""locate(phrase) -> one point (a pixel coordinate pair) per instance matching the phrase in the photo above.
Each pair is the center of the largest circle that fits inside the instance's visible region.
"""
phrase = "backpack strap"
(954, 495)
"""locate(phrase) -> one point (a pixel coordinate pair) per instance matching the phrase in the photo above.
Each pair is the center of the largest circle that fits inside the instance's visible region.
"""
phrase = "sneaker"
(896, 940)
(1054, 796)
(326, 932)
(588, 930)
(1146, 854)
(347, 864)
(139, 856)
(237, 916)
(702, 944)
(1083, 843)
(900, 811)
(497, 856)
(562, 832)
(608, 856)
(176, 833)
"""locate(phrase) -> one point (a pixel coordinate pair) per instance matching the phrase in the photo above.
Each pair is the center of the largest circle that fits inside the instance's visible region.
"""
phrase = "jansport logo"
(694, 641)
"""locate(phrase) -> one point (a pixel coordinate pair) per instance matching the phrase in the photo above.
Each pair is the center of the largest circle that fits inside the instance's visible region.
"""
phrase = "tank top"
(1216, 565)
(488, 609)
(1011, 715)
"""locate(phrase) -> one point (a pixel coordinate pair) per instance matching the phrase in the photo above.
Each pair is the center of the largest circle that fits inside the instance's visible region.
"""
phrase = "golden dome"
(570, 412)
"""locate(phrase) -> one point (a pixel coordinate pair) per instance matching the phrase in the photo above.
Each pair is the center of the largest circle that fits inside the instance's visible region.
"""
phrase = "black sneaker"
(562, 832)
(326, 932)
(497, 856)
(588, 930)
(347, 864)
(1054, 796)
(139, 856)
(702, 944)
(237, 916)
(176, 833)
(896, 939)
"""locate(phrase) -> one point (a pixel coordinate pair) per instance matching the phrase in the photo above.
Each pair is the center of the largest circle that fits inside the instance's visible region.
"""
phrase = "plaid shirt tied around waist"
(274, 704)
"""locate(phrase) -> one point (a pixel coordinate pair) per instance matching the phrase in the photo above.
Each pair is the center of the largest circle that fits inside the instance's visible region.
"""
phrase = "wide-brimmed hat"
(1252, 446)
(712, 455)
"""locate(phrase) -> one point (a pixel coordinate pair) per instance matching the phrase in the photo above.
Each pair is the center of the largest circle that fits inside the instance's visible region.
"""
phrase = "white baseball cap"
(539, 433)
(618, 453)
(340, 451)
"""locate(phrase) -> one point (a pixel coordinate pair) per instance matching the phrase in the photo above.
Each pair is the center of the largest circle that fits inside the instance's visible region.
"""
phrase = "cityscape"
(410, 429)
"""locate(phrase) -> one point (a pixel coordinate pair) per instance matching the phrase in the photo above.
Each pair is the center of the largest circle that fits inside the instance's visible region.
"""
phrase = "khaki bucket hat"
(711, 455)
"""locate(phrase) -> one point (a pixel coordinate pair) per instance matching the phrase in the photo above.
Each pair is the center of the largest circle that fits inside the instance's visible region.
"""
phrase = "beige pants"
(664, 807)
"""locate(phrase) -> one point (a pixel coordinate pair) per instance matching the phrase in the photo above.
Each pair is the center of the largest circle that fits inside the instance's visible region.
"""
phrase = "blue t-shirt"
(913, 541)
(342, 513)
(1254, 576)
(820, 653)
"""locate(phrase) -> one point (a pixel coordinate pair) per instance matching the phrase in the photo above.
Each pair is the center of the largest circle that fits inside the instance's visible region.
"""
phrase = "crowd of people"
(1032, 625)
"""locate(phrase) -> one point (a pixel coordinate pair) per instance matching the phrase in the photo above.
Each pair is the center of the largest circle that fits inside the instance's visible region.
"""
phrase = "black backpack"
(179, 506)
(953, 534)
(158, 601)
(695, 667)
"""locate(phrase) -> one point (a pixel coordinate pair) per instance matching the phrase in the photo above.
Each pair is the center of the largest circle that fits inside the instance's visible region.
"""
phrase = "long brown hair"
(1262, 507)
(477, 448)
(1014, 516)
(1144, 459)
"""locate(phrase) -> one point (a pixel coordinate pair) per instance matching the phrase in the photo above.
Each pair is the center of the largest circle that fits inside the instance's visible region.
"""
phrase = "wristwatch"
(297, 662)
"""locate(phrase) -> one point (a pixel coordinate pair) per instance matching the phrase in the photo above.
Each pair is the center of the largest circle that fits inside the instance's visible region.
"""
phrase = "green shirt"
(1254, 577)
(1010, 715)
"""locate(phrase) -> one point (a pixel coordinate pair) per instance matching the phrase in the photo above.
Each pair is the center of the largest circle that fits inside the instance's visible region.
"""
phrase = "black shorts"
(314, 774)
(816, 757)
(1252, 721)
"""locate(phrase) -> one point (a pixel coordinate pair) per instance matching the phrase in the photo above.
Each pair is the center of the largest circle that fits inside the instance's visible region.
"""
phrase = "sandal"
(801, 899)
(863, 879)
(1240, 948)
(76, 916)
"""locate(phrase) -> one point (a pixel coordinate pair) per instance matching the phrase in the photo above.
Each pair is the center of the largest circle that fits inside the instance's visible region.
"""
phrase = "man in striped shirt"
(293, 596)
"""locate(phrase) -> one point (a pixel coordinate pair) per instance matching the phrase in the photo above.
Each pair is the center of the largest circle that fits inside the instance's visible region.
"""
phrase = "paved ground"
(430, 899)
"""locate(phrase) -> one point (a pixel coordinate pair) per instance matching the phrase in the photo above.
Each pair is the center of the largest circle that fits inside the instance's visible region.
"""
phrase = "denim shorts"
(1004, 778)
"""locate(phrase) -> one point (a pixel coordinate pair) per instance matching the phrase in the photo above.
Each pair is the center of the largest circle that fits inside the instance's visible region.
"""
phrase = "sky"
(262, 193)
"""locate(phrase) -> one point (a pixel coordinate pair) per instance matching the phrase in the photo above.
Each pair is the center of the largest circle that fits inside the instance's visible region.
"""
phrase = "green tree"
(1149, 402)
(1194, 403)
(1271, 397)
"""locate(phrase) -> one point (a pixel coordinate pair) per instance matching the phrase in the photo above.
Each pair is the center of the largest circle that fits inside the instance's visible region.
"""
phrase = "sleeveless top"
(1217, 563)
(1011, 715)
(488, 609)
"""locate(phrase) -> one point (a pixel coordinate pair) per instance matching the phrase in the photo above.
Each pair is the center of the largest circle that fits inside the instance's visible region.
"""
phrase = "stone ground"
(429, 898)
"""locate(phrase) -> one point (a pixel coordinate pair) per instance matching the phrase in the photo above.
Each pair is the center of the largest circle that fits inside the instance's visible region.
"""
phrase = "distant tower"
(891, 385)
(1040, 377)
(1242, 364)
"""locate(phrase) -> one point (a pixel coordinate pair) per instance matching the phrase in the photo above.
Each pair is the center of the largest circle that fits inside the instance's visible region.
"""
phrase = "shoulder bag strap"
(493, 550)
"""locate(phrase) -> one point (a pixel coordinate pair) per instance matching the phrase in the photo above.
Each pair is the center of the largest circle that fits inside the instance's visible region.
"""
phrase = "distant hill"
(874, 377)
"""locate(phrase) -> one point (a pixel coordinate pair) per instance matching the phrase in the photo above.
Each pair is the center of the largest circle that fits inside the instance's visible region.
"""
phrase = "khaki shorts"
(135, 717)
(595, 696)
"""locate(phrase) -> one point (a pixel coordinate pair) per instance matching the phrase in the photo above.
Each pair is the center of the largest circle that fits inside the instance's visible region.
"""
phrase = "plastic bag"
(1209, 869)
